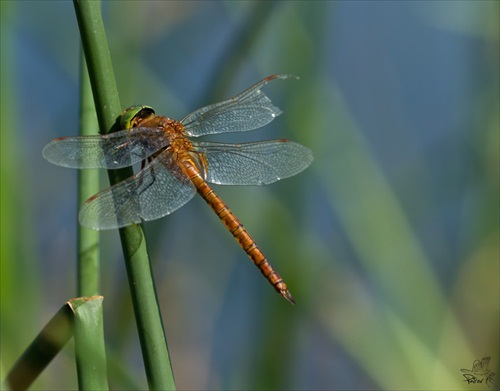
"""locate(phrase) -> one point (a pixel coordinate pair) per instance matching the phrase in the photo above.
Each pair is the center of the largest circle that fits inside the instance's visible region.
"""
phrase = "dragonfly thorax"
(170, 126)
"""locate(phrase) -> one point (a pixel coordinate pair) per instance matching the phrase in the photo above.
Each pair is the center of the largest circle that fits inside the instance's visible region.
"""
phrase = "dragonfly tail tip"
(287, 295)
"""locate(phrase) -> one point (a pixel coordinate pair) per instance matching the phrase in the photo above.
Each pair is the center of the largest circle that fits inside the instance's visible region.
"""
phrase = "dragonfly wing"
(249, 110)
(114, 150)
(257, 163)
(157, 190)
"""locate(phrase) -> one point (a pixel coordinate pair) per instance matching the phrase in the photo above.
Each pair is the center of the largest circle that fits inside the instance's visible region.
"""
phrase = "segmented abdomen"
(234, 226)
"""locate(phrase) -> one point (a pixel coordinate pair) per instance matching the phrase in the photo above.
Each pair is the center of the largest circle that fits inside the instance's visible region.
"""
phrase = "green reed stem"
(88, 185)
(89, 343)
(90, 348)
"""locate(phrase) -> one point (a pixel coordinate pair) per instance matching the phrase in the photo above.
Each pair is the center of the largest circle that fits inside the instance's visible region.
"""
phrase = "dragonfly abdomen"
(236, 228)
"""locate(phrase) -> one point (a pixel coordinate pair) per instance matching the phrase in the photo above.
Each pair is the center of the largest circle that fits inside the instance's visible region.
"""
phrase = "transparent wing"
(249, 110)
(115, 150)
(157, 190)
(257, 163)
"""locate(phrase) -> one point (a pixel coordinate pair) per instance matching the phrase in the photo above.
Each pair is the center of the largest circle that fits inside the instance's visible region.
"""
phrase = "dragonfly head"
(131, 117)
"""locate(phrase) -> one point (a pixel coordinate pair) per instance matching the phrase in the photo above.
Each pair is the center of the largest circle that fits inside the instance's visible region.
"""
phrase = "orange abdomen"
(235, 227)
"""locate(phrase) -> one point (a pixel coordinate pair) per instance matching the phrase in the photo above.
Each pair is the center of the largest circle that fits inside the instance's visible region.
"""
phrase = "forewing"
(249, 110)
(258, 163)
(115, 150)
(157, 190)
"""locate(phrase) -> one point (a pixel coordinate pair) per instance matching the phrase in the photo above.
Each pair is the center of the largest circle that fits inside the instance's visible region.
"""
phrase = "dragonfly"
(174, 168)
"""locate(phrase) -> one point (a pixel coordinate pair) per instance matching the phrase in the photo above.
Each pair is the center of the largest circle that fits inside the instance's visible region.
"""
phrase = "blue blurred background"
(389, 242)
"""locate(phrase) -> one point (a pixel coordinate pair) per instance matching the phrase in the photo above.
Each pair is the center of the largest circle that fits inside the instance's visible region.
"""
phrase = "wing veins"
(248, 110)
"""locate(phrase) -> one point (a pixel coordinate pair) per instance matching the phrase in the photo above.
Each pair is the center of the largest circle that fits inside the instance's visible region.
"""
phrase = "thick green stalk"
(148, 317)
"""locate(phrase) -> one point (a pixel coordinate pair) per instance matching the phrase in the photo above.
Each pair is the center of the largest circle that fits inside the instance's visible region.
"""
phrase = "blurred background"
(389, 242)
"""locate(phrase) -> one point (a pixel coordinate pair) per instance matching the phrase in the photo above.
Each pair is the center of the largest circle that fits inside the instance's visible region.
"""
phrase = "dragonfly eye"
(133, 115)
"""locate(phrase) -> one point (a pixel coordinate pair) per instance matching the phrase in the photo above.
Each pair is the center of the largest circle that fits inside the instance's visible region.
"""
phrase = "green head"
(132, 115)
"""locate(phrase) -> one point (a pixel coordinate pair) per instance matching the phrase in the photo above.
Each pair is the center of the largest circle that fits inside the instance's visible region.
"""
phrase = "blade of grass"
(41, 351)
(148, 317)
(89, 346)
(20, 271)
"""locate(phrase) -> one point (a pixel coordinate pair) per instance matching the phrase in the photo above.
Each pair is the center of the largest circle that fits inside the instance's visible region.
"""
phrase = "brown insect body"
(195, 166)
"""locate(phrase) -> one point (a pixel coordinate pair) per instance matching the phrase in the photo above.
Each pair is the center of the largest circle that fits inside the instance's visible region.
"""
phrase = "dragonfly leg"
(143, 165)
